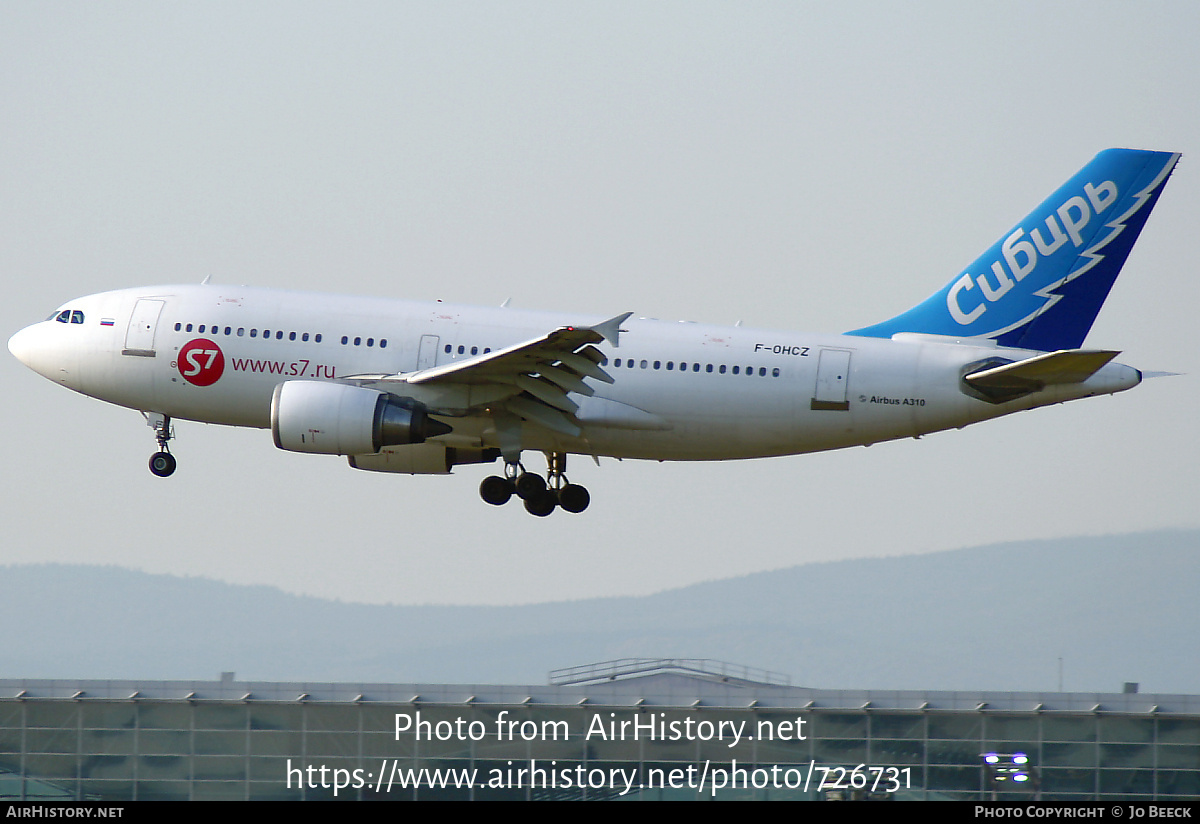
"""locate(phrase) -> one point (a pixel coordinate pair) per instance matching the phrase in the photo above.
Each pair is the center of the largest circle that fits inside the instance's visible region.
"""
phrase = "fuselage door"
(139, 338)
(833, 374)
(427, 354)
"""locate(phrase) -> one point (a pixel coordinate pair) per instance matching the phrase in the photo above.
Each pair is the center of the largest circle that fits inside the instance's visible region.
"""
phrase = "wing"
(531, 379)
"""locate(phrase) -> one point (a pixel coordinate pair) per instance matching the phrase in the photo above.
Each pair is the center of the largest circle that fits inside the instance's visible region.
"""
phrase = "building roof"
(662, 690)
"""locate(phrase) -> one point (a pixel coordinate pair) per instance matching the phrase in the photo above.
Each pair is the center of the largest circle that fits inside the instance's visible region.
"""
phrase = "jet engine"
(340, 419)
(422, 459)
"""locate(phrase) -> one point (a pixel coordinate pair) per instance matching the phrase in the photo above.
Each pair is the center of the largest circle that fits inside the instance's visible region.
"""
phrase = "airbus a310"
(401, 386)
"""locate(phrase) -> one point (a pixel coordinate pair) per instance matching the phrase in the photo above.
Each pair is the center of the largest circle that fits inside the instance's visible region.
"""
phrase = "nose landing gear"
(540, 495)
(162, 462)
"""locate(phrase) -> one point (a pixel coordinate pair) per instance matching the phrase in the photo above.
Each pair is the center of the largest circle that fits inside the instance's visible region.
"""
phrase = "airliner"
(420, 388)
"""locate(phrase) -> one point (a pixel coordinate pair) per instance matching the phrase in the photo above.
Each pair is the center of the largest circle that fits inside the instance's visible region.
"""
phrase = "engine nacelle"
(422, 459)
(339, 419)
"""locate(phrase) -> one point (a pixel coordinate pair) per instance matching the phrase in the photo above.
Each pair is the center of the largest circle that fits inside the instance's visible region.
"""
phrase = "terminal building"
(622, 730)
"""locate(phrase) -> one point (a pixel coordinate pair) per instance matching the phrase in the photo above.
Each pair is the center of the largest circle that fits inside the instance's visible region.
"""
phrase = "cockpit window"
(76, 316)
(64, 316)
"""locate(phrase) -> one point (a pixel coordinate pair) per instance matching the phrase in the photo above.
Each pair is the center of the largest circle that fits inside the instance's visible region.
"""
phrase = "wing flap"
(547, 393)
(565, 380)
(546, 416)
(585, 365)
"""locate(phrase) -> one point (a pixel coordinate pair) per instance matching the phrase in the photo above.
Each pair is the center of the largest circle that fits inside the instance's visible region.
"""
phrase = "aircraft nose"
(35, 347)
(23, 346)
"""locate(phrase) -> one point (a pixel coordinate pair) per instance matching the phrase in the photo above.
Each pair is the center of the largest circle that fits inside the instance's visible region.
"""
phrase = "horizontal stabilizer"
(1013, 380)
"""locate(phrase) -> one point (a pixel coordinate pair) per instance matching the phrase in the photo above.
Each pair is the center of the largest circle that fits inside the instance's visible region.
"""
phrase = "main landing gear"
(162, 462)
(540, 496)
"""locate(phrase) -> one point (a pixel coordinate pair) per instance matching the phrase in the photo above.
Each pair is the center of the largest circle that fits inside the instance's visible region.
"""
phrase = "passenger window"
(254, 333)
(345, 340)
(178, 326)
(383, 343)
(241, 331)
(370, 341)
(187, 328)
(474, 350)
(292, 336)
(658, 364)
(671, 366)
(775, 372)
(358, 341)
(722, 369)
(279, 335)
(318, 337)
(735, 370)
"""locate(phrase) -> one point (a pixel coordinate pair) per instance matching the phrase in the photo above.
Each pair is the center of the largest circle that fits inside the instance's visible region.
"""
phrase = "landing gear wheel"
(574, 498)
(541, 504)
(496, 490)
(529, 485)
(162, 464)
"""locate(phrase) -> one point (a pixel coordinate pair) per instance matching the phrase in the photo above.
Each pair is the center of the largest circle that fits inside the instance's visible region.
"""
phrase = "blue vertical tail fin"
(1043, 283)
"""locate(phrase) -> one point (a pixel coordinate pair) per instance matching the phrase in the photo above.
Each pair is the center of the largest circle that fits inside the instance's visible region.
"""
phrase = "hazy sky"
(815, 166)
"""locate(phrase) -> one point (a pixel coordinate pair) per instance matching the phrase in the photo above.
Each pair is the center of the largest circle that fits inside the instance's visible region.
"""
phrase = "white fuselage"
(681, 391)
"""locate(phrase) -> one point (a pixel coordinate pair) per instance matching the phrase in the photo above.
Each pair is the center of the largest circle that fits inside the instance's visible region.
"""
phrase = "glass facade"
(656, 737)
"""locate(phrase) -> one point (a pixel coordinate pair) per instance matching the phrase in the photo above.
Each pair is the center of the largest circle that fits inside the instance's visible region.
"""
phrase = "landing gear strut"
(540, 495)
(571, 497)
(162, 462)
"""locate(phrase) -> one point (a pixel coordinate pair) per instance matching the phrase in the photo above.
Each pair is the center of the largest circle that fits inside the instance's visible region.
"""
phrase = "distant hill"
(1115, 608)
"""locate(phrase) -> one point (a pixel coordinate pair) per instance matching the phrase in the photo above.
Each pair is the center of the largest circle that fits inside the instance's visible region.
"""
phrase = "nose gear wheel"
(162, 462)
